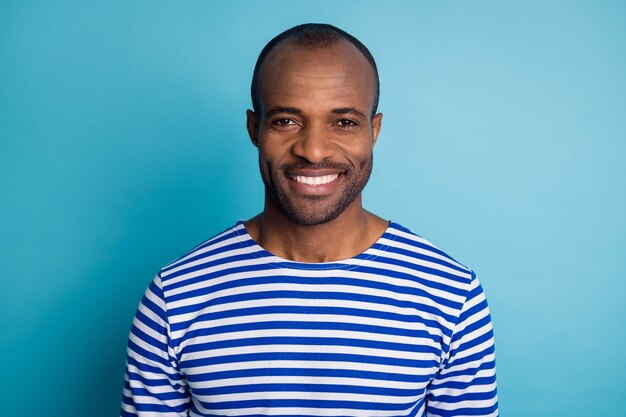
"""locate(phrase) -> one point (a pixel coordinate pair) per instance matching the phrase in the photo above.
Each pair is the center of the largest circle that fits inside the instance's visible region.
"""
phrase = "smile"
(321, 180)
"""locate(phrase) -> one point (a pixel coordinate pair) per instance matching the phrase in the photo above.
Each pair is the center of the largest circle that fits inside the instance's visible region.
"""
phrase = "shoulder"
(409, 250)
(439, 284)
(220, 248)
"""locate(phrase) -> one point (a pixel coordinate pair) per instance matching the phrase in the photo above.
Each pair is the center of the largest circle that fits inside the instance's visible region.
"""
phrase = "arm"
(466, 382)
(154, 385)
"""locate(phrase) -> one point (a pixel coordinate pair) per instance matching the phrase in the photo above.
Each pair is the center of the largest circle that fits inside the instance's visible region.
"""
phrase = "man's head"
(312, 35)
(314, 123)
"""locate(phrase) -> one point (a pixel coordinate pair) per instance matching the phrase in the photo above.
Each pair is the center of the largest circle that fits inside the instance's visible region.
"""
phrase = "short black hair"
(312, 35)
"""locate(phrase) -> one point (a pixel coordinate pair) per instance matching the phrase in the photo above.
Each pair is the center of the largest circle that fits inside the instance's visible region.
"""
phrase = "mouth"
(314, 180)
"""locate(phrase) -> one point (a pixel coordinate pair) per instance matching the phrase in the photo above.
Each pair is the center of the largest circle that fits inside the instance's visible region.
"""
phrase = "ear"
(377, 122)
(252, 124)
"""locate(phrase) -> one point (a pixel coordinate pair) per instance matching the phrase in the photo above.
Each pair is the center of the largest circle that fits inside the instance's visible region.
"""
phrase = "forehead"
(295, 75)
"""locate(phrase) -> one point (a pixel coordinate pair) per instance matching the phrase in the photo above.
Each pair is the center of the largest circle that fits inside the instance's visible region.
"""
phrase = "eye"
(283, 122)
(346, 123)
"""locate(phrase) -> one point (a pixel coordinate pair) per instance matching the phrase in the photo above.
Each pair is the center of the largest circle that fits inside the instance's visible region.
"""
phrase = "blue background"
(122, 145)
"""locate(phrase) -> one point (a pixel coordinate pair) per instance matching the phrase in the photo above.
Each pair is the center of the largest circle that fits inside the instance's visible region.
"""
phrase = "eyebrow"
(294, 110)
(349, 110)
(280, 109)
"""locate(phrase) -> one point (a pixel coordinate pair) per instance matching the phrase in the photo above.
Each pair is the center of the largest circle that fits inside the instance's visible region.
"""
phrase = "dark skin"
(315, 136)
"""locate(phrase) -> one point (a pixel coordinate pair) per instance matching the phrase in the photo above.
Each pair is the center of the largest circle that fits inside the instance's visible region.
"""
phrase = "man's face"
(315, 133)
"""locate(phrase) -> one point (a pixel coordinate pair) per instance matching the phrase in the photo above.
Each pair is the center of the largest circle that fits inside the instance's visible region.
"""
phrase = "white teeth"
(324, 179)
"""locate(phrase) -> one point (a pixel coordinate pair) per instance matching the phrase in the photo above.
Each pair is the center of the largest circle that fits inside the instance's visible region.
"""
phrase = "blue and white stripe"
(232, 330)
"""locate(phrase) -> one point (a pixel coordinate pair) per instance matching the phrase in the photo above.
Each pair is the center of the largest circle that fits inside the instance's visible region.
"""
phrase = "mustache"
(319, 165)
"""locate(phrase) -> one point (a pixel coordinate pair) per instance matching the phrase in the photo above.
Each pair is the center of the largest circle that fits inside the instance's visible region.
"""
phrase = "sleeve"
(154, 385)
(466, 382)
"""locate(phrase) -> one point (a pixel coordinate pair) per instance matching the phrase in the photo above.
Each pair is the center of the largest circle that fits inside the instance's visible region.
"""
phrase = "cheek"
(269, 164)
(265, 154)
(265, 163)
(275, 155)
(359, 155)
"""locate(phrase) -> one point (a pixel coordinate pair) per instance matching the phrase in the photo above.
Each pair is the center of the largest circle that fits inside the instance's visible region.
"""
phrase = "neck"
(348, 235)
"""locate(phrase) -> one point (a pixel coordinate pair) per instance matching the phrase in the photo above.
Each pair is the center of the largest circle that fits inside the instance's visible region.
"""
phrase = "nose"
(313, 144)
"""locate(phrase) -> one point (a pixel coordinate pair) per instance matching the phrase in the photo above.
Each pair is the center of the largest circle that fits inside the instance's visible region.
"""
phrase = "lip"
(308, 172)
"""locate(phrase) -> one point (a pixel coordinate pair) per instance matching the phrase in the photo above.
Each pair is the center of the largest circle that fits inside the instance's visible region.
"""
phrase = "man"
(315, 306)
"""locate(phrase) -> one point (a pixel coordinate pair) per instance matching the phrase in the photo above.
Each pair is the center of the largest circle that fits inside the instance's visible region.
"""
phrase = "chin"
(315, 213)
(311, 219)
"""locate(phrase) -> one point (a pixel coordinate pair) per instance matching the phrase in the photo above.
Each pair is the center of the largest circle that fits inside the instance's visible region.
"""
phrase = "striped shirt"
(231, 330)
